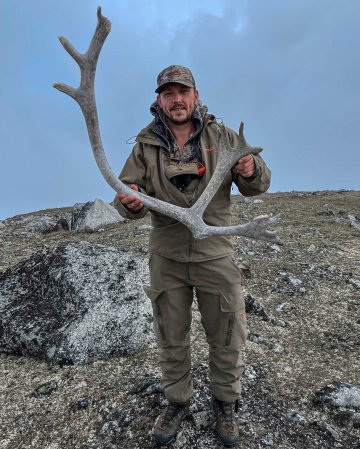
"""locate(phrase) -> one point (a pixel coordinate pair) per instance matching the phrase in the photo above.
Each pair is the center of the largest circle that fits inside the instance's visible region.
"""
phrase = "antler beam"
(84, 95)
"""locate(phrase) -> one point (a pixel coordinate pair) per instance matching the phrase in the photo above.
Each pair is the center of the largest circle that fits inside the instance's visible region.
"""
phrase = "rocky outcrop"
(92, 216)
(39, 223)
(74, 302)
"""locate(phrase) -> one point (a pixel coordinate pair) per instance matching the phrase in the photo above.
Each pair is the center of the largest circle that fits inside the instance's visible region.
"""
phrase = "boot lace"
(228, 415)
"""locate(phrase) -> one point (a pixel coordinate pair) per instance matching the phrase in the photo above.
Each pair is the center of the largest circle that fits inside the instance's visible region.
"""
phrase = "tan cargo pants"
(222, 308)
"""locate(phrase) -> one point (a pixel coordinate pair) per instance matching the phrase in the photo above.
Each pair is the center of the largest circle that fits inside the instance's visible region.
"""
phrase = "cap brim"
(184, 83)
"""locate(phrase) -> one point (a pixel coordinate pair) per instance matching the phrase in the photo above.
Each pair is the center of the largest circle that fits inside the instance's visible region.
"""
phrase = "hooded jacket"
(145, 168)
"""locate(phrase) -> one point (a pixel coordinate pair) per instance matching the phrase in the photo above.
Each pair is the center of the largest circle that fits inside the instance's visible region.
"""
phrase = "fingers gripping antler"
(84, 95)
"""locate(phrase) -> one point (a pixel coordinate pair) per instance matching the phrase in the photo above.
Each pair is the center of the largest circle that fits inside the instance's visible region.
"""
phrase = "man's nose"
(177, 97)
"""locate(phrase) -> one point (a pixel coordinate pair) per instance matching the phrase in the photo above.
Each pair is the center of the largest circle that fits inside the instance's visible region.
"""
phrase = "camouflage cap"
(175, 74)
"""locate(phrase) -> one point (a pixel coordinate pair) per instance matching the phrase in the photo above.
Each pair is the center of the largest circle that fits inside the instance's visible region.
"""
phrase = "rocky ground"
(301, 384)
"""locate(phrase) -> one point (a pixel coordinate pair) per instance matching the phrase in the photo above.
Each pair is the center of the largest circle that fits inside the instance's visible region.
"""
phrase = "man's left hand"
(246, 166)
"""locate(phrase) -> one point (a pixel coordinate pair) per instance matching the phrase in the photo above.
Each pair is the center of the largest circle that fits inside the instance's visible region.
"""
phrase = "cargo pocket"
(159, 327)
(234, 324)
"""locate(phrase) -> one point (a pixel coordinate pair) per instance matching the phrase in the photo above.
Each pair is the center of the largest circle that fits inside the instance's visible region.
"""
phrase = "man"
(173, 160)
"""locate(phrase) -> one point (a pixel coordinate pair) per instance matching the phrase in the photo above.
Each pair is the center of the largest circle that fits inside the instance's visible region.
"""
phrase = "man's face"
(178, 102)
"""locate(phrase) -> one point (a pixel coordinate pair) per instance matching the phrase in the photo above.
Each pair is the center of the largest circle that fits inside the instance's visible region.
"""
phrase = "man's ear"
(197, 97)
(158, 100)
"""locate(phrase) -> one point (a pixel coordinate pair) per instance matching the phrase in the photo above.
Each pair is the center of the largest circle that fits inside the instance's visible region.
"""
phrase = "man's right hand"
(132, 202)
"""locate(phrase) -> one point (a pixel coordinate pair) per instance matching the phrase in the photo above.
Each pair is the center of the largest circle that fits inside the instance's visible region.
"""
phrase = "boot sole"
(226, 445)
(164, 444)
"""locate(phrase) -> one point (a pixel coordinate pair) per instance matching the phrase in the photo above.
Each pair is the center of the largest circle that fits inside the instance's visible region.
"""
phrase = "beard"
(179, 120)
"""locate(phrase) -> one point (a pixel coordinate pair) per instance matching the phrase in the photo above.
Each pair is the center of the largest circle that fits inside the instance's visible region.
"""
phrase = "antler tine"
(228, 156)
(256, 229)
(68, 90)
(191, 217)
(76, 55)
(241, 132)
(103, 28)
(85, 97)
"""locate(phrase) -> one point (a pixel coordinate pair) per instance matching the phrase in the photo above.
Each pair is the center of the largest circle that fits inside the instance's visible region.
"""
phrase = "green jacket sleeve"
(256, 184)
(134, 172)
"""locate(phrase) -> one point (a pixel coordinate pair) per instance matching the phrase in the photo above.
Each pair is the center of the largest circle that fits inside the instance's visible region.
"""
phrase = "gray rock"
(252, 200)
(143, 249)
(295, 417)
(277, 322)
(92, 216)
(347, 419)
(38, 224)
(74, 302)
(109, 426)
(144, 228)
(79, 405)
(270, 344)
(294, 281)
(45, 389)
(280, 307)
(275, 248)
(329, 431)
(339, 394)
(252, 305)
(250, 373)
(354, 221)
(328, 210)
(202, 420)
(281, 290)
(268, 440)
(354, 282)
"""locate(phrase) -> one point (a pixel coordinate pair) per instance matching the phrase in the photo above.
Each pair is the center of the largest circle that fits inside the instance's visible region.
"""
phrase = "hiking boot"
(226, 425)
(169, 421)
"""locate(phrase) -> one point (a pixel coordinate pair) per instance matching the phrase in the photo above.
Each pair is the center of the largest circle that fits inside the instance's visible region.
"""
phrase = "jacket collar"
(154, 132)
(158, 131)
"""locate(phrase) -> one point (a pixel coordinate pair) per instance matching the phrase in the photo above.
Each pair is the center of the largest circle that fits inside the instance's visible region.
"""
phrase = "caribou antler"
(84, 95)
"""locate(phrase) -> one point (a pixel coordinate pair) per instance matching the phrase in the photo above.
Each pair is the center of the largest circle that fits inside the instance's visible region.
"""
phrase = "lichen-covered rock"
(91, 216)
(328, 430)
(339, 394)
(255, 307)
(354, 221)
(42, 223)
(347, 419)
(74, 302)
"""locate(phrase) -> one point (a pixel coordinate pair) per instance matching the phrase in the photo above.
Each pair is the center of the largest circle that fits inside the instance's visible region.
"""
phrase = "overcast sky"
(289, 69)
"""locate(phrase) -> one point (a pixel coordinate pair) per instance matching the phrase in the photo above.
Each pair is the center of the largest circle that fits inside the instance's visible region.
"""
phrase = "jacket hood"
(157, 132)
(160, 121)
